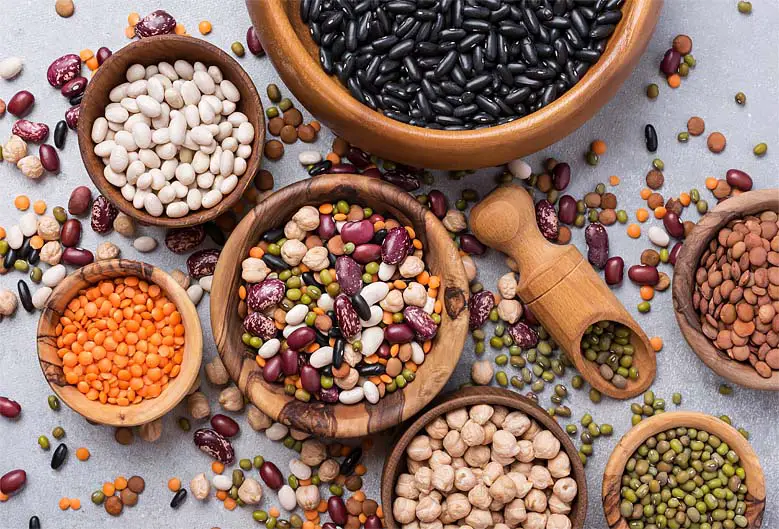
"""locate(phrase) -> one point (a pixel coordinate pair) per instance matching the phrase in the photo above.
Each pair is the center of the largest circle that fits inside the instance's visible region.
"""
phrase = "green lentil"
(741, 98)
(60, 214)
(58, 432)
(349, 248)
(255, 342)
(285, 104)
(702, 206)
(591, 158)
(336, 490)
(577, 382)
(183, 423)
(245, 464)
(652, 91)
(760, 149)
(272, 112)
(664, 255)
(745, 8)
(97, 497)
(43, 442)
(54, 402)
(724, 389)
(274, 94)
(271, 522)
(238, 49)
(622, 216)
(600, 188)
(595, 396)
(293, 481)
(342, 206)
(571, 429)
(676, 398)
(501, 378)
(658, 164)
(690, 61)
(21, 265)
(460, 204)
(258, 461)
(683, 137)
(644, 307)
(36, 274)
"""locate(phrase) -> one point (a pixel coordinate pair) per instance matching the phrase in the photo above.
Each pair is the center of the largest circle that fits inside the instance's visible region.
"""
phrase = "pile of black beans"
(459, 64)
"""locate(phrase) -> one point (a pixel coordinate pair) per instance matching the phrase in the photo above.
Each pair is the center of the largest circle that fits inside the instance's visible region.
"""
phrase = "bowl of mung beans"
(453, 84)
(120, 342)
(339, 305)
(683, 469)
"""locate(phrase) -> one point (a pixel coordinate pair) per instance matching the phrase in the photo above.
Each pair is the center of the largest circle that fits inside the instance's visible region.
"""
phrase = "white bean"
(125, 139)
(215, 73)
(53, 276)
(184, 69)
(173, 98)
(152, 205)
(194, 199)
(40, 297)
(185, 174)
(134, 170)
(195, 293)
(148, 106)
(226, 162)
(228, 184)
(229, 90)
(160, 136)
(118, 92)
(190, 93)
(166, 195)
(105, 148)
(115, 179)
(137, 88)
(180, 189)
(155, 89)
(286, 496)
(142, 135)
(145, 244)
(168, 70)
(245, 133)
(99, 129)
(119, 159)
(130, 104)
(212, 198)
(136, 72)
(176, 209)
(204, 82)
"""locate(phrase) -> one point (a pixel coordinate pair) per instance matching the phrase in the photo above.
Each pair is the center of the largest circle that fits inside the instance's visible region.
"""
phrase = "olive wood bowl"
(340, 420)
(631, 441)
(153, 50)
(469, 396)
(110, 414)
(287, 42)
(687, 261)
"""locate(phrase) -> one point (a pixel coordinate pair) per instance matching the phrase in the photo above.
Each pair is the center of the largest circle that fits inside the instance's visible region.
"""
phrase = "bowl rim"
(633, 438)
(687, 261)
(567, 113)
(339, 420)
(147, 410)
(157, 47)
(470, 396)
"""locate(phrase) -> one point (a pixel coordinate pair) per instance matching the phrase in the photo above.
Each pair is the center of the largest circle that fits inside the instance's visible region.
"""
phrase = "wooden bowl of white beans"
(171, 130)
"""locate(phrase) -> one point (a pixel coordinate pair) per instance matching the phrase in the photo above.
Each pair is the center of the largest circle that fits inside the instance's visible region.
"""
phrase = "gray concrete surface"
(734, 52)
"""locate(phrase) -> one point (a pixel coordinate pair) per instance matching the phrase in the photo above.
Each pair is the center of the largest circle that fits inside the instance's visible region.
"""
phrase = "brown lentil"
(607, 217)
(264, 180)
(650, 257)
(293, 117)
(655, 200)
(609, 201)
(340, 146)
(289, 134)
(696, 126)
(592, 200)
(113, 505)
(722, 190)
(275, 125)
(136, 484)
(128, 497)
(655, 179)
(564, 235)
(274, 149)
(716, 142)
(682, 44)
(306, 133)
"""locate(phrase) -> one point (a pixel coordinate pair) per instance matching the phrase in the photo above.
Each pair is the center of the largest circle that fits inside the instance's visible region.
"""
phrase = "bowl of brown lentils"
(340, 305)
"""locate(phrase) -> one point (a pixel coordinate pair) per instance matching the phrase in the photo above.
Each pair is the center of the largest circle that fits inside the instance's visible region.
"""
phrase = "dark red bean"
(49, 158)
(614, 270)
(644, 275)
(359, 158)
(80, 200)
(396, 245)
(289, 362)
(566, 209)
(74, 87)
(365, 253)
(77, 256)
(670, 62)
(337, 510)
(13, 481)
(739, 179)
(471, 245)
(9, 408)
(675, 252)
(398, 333)
(372, 522)
(348, 274)
(326, 227)
(357, 232)
(271, 475)
(215, 445)
(438, 203)
(372, 172)
(384, 351)
(329, 396)
(309, 378)
(21, 103)
(102, 55)
(528, 315)
(329, 525)
(253, 42)
(225, 425)
(673, 225)
(376, 218)
(272, 369)
(343, 168)
(561, 176)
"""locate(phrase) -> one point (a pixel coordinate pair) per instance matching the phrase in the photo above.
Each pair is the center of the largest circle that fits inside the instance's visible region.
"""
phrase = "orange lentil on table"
(39, 207)
(598, 147)
(204, 27)
(120, 341)
(174, 484)
(82, 454)
(634, 231)
(22, 203)
(656, 343)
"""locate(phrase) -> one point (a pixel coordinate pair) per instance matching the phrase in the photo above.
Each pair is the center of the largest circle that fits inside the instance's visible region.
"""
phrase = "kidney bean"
(402, 179)
(471, 245)
(365, 253)
(13, 481)
(546, 219)
(9, 408)
(309, 378)
(326, 227)
(29, 131)
(103, 215)
(523, 335)
(70, 234)
(343, 168)
(203, 263)
(376, 218)
(102, 55)
(224, 425)
(438, 203)
(77, 256)
(329, 396)
(566, 209)
(74, 87)
(271, 475)
(359, 158)
(21, 103)
(419, 320)
(63, 70)
(528, 315)
(372, 172)
(347, 317)
(183, 240)
(337, 510)
(597, 244)
(372, 522)
(272, 369)
(215, 445)
(253, 42)
(158, 22)
(672, 256)
(396, 245)
(72, 115)
(357, 232)
(49, 158)
(670, 62)
(481, 304)
(614, 270)
(561, 176)
(348, 274)
(644, 274)
(398, 333)
(260, 296)
(383, 351)
(673, 225)
(260, 325)
(301, 338)
(60, 133)
(735, 177)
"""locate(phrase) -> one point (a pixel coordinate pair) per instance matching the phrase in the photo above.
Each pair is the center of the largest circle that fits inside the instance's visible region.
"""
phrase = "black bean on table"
(60, 133)
(449, 64)
(59, 455)
(25, 296)
(178, 498)
(35, 522)
(650, 137)
(350, 462)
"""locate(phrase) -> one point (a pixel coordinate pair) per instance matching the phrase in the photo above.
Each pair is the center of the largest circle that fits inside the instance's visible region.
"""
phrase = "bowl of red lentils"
(339, 305)
(120, 342)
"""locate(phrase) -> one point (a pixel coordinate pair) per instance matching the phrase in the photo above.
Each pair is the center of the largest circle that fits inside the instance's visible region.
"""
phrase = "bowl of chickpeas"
(120, 342)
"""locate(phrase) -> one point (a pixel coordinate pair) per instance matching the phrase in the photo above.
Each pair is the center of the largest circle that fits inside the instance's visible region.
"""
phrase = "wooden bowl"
(687, 261)
(51, 364)
(340, 420)
(469, 396)
(287, 42)
(153, 50)
(631, 441)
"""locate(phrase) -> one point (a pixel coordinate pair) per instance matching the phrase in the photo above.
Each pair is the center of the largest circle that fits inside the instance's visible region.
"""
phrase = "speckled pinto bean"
(63, 70)
(158, 22)
(348, 274)
(643, 275)
(481, 304)
(419, 320)
(260, 296)
(597, 244)
(260, 325)
(202, 263)
(72, 115)
(347, 317)
(396, 245)
(546, 219)
(183, 240)
(29, 131)
(523, 335)
(215, 445)
(103, 215)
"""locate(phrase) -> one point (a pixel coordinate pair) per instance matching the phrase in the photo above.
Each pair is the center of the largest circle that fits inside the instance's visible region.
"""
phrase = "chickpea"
(559, 466)
(317, 258)
(481, 413)
(566, 489)
(404, 510)
(521, 484)
(492, 471)
(535, 520)
(479, 519)
(437, 429)
(458, 462)
(558, 506)
(419, 448)
(423, 480)
(535, 501)
(515, 513)
(8, 302)
(313, 452)
(546, 445)
(405, 487)
(531, 432)
(413, 466)
(439, 458)
(481, 372)
(436, 444)
(526, 453)
(503, 489)
(292, 251)
(292, 230)
(489, 432)
(504, 444)
(435, 524)
(456, 419)
(457, 506)
(472, 433)
(392, 302)
(307, 218)
(558, 521)
(477, 456)
(479, 496)
(428, 509)
(455, 221)
(507, 286)
(443, 478)
(540, 477)
(415, 295)
(329, 470)
(499, 415)
(509, 310)
(516, 423)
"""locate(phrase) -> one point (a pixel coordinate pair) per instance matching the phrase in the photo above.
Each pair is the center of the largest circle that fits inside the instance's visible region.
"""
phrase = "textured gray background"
(734, 52)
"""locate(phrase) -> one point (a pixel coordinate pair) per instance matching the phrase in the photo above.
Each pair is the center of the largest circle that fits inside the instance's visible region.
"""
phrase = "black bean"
(273, 235)
(338, 353)
(10, 259)
(58, 458)
(274, 262)
(215, 233)
(320, 168)
(601, 32)
(35, 522)
(650, 137)
(350, 462)
(178, 498)
(371, 370)
(25, 296)
(60, 134)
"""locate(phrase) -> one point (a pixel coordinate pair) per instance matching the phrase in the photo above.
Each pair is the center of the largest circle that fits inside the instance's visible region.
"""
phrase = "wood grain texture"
(396, 462)
(631, 441)
(559, 286)
(51, 365)
(296, 57)
(752, 202)
(153, 50)
(341, 420)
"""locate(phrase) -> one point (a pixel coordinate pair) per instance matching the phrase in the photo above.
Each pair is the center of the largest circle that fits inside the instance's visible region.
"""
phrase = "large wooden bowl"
(631, 441)
(153, 50)
(51, 364)
(287, 41)
(340, 420)
(396, 462)
(687, 261)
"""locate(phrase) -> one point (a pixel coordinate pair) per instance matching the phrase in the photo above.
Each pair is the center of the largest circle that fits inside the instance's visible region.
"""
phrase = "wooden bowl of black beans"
(454, 84)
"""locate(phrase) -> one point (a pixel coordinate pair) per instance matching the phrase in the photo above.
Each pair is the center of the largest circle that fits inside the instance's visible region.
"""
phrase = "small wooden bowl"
(340, 420)
(631, 441)
(287, 41)
(153, 50)
(752, 202)
(469, 396)
(51, 364)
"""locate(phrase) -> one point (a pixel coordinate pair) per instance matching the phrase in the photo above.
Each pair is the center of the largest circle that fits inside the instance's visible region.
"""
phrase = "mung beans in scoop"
(338, 304)
(451, 64)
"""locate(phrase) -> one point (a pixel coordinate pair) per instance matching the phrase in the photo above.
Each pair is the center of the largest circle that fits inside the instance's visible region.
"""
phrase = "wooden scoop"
(559, 286)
